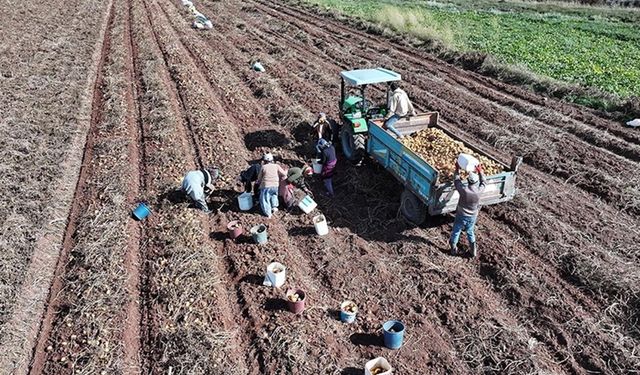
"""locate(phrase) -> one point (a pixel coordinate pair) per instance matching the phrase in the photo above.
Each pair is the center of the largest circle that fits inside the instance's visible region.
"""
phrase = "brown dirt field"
(554, 289)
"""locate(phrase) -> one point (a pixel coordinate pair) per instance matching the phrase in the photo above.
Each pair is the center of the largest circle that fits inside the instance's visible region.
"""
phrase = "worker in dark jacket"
(198, 185)
(328, 160)
(468, 208)
(326, 128)
(249, 178)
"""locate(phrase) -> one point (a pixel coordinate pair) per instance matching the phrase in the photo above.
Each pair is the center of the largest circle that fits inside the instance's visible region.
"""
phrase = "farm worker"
(269, 182)
(249, 177)
(328, 160)
(325, 128)
(399, 107)
(293, 182)
(198, 185)
(468, 208)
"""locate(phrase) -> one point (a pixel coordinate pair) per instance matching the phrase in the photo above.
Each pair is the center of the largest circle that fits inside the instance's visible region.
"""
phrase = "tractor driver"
(399, 107)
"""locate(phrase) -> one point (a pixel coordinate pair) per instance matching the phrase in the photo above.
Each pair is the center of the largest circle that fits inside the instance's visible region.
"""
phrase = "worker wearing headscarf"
(328, 160)
(325, 128)
(269, 182)
(295, 182)
(198, 185)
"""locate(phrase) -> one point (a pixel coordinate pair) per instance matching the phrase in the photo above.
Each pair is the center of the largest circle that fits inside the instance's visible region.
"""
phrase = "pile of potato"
(441, 152)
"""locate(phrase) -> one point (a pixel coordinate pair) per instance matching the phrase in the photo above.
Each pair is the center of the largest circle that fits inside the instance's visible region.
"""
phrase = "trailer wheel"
(412, 208)
(353, 145)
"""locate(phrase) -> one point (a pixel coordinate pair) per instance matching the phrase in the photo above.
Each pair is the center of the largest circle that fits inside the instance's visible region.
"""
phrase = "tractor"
(356, 110)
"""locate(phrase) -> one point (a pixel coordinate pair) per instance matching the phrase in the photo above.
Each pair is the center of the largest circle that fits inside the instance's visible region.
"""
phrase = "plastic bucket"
(307, 204)
(468, 162)
(257, 66)
(393, 334)
(296, 306)
(276, 274)
(245, 201)
(259, 234)
(320, 223)
(141, 211)
(317, 167)
(235, 229)
(348, 311)
(378, 366)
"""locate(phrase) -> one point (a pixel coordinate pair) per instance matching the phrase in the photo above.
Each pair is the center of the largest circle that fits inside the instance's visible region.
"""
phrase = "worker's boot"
(474, 249)
(453, 249)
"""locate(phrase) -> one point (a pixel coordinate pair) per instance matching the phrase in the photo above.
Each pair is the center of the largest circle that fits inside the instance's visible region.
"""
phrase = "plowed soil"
(553, 290)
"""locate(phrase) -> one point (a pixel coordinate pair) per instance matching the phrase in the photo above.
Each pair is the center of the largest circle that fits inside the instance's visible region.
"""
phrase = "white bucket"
(245, 201)
(377, 362)
(468, 162)
(257, 66)
(276, 274)
(317, 167)
(320, 223)
(307, 204)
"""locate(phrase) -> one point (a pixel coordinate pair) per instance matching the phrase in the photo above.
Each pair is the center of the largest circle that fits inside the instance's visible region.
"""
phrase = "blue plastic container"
(141, 211)
(393, 334)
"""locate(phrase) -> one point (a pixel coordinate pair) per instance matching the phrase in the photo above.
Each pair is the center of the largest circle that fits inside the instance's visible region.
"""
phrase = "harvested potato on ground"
(441, 152)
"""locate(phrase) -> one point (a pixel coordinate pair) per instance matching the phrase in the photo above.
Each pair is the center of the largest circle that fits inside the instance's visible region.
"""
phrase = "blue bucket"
(141, 211)
(393, 334)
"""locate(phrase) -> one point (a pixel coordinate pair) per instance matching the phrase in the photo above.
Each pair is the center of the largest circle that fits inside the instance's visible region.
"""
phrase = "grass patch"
(595, 48)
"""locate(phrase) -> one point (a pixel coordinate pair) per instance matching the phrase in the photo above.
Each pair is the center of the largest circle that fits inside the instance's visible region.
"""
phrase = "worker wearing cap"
(325, 128)
(328, 160)
(399, 107)
(468, 208)
(198, 185)
(269, 182)
(295, 180)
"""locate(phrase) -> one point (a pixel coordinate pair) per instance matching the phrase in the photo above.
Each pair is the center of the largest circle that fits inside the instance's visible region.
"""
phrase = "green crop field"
(592, 47)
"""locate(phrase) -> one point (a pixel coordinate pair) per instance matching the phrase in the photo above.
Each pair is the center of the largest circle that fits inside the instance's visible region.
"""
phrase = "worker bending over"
(399, 107)
(295, 181)
(198, 185)
(249, 178)
(269, 182)
(468, 208)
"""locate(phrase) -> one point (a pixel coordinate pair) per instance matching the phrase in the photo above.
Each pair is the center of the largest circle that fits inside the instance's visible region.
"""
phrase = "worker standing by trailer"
(468, 208)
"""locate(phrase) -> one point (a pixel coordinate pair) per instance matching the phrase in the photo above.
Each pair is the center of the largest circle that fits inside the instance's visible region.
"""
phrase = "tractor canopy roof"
(369, 76)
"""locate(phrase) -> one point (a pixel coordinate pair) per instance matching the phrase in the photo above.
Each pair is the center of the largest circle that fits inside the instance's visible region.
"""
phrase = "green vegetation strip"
(592, 47)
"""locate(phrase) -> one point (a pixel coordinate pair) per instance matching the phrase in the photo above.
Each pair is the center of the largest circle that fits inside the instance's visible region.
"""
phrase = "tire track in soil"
(237, 63)
(231, 303)
(599, 182)
(37, 363)
(133, 319)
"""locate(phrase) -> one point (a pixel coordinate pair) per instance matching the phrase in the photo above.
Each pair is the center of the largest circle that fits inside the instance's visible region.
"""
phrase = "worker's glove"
(479, 168)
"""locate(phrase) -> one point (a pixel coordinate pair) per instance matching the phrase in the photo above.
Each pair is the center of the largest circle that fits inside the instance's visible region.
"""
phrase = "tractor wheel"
(353, 145)
(412, 208)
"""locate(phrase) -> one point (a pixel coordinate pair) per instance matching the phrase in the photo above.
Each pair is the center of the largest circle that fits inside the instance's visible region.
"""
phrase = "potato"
(441, 152)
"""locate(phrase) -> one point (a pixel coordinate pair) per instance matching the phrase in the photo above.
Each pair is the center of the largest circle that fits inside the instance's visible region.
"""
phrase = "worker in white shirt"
(399, 107)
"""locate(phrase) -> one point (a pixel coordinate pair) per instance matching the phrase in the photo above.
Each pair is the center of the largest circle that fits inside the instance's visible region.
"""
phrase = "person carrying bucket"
(328, 160)
(468, 208)
(249, 178)
(269, 182)
(294, 181)
(198, 185)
